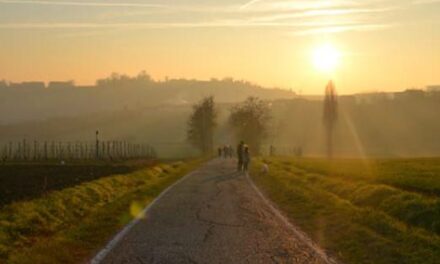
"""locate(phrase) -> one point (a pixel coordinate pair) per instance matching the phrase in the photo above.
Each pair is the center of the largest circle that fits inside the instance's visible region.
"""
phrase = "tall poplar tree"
(330, 116)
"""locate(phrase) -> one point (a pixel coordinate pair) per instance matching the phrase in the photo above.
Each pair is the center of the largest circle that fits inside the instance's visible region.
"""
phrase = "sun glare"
(326, 58)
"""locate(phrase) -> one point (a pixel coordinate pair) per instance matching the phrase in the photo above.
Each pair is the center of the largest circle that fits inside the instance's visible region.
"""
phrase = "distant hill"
(34, 101)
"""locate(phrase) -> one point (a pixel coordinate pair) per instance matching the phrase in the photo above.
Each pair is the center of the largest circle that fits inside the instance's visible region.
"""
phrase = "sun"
(326, 58)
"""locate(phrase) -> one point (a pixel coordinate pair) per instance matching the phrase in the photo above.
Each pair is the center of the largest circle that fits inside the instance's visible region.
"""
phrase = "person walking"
(240, 149)
(225, 151)
(246, 158)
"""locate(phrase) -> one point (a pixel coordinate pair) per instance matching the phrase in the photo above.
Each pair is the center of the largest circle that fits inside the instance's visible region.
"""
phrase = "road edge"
(100, 256)
(301, 235)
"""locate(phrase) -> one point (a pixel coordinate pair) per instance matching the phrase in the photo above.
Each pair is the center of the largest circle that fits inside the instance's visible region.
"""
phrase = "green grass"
(419, 175)
(377, 211)
(71, 225)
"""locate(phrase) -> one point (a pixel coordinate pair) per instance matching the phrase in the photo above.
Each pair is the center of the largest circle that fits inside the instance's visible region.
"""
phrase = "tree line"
(250, 121)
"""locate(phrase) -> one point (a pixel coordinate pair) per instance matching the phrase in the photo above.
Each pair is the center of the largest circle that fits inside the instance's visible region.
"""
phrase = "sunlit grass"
(357, 209)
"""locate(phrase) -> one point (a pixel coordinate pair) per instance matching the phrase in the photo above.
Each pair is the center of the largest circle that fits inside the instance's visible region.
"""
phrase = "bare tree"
(201, 125)
(330, 116)
(250, 121)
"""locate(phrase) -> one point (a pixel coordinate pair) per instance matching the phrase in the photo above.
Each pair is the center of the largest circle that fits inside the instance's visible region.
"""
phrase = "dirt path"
(214, 215)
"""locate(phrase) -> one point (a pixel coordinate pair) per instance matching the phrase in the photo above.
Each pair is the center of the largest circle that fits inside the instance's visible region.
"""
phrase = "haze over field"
(139, 109)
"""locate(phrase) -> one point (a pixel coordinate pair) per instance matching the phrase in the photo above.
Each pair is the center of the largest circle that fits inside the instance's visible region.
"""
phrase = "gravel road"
(214, 215)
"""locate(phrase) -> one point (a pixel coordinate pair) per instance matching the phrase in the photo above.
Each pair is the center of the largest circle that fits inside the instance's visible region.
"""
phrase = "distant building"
(61, 85)
(390, 96)
(348, 99)
(433, 88)
(433, 91)
(369, 98)
(410, 94)
(3, 84)
(28, 85)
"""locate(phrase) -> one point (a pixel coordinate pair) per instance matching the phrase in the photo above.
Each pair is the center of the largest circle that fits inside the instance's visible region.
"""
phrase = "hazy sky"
(384, 45)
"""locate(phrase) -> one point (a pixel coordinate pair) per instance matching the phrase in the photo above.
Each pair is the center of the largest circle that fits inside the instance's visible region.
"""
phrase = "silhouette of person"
(272, 150)
(240, 149)
(246, 158)
(219, 152)
(225, 151)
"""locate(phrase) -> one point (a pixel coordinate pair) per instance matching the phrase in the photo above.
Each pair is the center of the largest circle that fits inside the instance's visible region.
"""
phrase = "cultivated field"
(26, 181)
(375, 211)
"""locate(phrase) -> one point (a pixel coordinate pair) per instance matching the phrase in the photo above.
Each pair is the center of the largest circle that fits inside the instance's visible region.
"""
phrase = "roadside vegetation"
(71, 225)
(25, 181)
(376, 211)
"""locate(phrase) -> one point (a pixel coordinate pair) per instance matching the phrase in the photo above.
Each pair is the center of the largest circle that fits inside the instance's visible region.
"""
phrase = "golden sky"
(383, 45)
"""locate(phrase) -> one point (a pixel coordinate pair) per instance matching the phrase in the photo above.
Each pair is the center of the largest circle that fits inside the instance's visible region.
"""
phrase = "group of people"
(226, 151)
(243, 155)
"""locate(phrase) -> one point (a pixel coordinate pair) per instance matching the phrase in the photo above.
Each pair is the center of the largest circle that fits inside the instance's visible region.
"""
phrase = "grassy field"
(70, 225)
(375, 211)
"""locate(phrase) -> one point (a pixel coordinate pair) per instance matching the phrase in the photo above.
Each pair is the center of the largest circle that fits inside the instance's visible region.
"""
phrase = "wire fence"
(59, 150)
